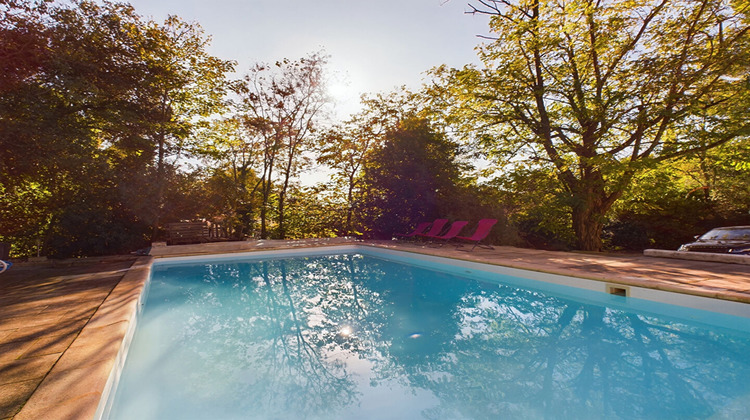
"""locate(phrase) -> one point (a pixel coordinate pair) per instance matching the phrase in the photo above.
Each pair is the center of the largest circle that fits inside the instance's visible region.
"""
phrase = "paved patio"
(43, 308)
(61, 326)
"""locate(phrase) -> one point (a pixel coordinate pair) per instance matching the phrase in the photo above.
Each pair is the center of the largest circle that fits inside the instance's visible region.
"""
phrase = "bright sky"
(375, 45)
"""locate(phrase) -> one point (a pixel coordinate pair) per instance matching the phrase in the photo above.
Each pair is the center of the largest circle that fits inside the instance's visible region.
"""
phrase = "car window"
(740, 234)
(727, 235)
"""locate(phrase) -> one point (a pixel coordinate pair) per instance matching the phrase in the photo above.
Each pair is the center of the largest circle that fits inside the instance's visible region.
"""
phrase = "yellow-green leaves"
(591, 88)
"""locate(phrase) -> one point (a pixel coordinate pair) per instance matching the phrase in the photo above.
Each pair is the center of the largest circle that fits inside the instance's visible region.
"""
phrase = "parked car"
(726, 240)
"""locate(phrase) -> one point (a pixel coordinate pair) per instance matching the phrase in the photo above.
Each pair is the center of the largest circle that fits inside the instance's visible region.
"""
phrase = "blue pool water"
(360, 337)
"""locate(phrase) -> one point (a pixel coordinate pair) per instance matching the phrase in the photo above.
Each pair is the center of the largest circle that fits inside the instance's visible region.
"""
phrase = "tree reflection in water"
(314, 337)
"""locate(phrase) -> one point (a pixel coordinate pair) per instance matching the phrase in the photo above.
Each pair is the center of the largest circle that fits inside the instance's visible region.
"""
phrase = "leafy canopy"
(596, 89)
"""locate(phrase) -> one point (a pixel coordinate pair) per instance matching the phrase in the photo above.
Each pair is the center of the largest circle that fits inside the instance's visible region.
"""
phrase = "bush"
(83, 231)
(668, 225)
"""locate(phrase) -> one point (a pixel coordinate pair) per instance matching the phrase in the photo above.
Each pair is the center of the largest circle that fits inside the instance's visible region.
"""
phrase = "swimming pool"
(378, 335)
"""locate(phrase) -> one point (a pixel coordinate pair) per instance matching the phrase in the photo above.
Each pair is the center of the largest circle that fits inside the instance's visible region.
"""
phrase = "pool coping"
(88, 369)
(616, 278)
(687, 300)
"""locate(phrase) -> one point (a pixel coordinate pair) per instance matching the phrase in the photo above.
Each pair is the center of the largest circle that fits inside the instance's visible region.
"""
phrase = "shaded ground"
(42, 310)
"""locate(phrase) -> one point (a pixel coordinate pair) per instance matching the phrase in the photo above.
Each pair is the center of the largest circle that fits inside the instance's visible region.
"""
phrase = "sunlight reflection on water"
(351, 336)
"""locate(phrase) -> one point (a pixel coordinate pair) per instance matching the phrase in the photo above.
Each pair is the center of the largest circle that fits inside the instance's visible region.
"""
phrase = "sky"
(374, 45)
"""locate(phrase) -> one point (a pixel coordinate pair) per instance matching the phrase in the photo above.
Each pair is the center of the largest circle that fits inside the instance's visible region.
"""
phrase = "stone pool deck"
(62, 324)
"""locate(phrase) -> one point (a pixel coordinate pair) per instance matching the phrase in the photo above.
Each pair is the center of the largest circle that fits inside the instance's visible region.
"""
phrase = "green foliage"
(314, 213)
(594, 91)
(346, 148)
(410, 178)
(616, 120)
(93, 99)
(280, 109)
(23, 208)
(232, 188)
(95, 228)
(671, 203)
(536, 209)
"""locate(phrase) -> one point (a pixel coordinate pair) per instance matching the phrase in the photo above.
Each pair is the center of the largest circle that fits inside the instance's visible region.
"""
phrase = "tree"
(281, 104)
(678, 199)
(596, 90)
(185, 85)
(313, 212)
(93, 99)
(347, 147)
(66, 98)
(232, 155)
(344, 149)
(533, 203)
(412, 176)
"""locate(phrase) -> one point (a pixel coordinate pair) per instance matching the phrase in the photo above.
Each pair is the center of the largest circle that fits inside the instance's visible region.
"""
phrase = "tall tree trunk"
(266, 187)
(282, 201)
(266, 193)
(587, 225)
(292, 150)
(264, 202)
(591, 202)
(161, 139)
(281, 229)
(160, 175)
(350, 206)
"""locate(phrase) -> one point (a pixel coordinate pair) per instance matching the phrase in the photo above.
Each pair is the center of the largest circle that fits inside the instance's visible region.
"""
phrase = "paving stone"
(117, 310)
(72, 388)
(38, 331)
(20, 370)
(16, 309)
(13, 396)
(78, 408)
(80, 312)
(54, 344)
(30, 320)
(93, 346)
(12, 351)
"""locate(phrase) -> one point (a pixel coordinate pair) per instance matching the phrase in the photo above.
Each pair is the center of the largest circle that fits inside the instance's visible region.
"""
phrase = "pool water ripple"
(360, 337)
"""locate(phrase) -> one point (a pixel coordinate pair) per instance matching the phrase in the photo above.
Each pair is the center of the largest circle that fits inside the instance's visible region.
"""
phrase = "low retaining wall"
(698, 256)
